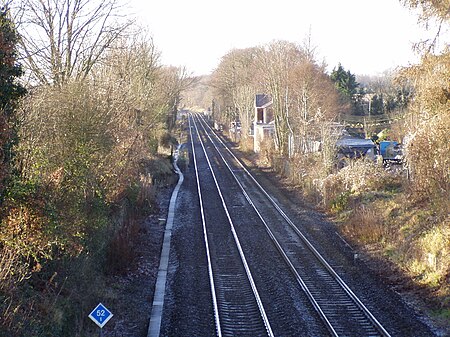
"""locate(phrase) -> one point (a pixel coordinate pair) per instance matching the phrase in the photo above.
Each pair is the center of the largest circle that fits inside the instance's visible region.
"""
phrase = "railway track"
(342, 312)
(238, 310)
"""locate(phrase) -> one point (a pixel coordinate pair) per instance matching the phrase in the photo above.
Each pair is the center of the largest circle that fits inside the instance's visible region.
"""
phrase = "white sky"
(366, 36)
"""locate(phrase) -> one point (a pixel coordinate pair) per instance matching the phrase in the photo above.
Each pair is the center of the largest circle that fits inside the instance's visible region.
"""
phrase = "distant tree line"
(377, 96)
(305, 101)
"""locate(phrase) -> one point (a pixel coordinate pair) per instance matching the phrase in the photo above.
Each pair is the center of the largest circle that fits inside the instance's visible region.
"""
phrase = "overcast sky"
(366, 36)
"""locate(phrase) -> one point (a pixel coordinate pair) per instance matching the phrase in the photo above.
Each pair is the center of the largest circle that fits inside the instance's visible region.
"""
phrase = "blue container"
(384, 146)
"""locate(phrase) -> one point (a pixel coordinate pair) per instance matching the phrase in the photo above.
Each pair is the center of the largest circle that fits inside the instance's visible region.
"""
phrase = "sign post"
(100, 315)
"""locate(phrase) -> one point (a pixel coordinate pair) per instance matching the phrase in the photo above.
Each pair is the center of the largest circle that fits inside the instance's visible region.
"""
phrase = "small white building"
(264, 126)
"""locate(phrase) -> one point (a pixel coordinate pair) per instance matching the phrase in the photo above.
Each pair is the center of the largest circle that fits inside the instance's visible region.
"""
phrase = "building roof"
(355, 142)
(262, 100)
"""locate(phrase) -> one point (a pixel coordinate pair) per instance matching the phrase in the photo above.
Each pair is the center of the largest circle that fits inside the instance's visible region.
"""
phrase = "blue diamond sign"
(100, 315)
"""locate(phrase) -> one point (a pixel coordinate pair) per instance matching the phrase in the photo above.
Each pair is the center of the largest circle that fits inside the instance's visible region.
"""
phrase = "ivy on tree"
(10, 91)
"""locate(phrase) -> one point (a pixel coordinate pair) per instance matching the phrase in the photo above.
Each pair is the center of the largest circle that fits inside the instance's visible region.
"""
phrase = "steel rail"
(205, 235)
(237, 241)
(377, 325)
(280, 248)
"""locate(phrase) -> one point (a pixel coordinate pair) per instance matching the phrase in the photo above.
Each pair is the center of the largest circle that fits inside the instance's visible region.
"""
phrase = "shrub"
(267, 154)
(121, 253)
(428, 156)
(428, 125)
(357, 177)
(366, 225)
(340, 203)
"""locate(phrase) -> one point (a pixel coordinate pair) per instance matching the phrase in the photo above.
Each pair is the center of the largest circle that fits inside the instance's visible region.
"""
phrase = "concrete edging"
(154, 326)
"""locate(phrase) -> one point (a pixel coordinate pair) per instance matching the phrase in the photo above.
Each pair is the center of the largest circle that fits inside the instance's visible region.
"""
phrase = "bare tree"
(64, 39)
(109, 114)
(175, 81)
(303, 96)
(277, 60)
(314, 103)
(235, 78)
(434, 14)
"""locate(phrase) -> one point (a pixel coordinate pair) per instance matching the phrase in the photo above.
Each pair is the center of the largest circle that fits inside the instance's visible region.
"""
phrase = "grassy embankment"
(378, 211)
(49, 290)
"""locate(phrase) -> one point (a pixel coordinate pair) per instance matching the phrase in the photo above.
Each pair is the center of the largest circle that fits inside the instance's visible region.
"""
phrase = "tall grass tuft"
(366, 225)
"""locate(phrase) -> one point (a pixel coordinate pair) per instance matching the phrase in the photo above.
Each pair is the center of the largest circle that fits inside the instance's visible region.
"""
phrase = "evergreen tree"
(10, 92)
(345, 81)
(377, 105)
(346, 84)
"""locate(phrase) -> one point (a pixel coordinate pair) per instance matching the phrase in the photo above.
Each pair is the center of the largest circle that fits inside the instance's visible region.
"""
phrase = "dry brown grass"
(366, 225)
(121, 251)
(267, 154)
(246, 144)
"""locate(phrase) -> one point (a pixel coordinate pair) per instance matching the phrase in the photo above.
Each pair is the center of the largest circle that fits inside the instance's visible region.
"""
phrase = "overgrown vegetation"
(90, 144)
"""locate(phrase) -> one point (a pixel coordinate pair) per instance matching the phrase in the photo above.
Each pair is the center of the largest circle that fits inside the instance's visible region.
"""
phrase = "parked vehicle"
(391, 152)
(353, 148)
